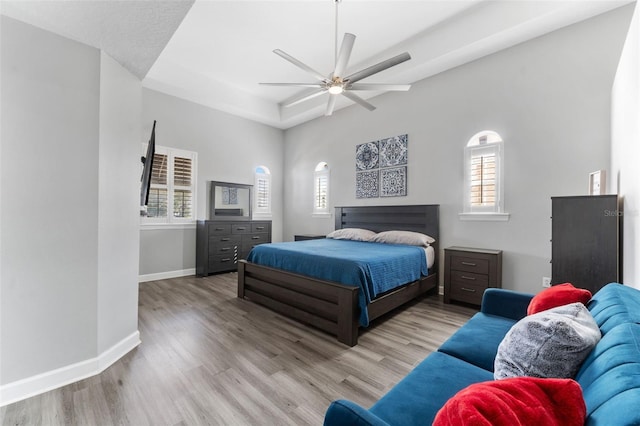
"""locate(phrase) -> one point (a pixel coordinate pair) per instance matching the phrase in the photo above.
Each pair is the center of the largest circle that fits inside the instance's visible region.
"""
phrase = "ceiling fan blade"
(318, 85)
(304, 96)
(374, 86)
(345, 52)
(299, 64)
(378, 67)
(357, 99)
(331, 104)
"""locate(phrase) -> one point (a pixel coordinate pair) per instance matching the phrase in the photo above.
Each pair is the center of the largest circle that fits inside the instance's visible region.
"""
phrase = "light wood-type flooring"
(209, 358)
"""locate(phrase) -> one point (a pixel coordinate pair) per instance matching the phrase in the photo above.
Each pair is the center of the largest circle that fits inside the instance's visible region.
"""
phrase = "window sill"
(167, 226)
(321, 214)
(260, 216)
(486, 217)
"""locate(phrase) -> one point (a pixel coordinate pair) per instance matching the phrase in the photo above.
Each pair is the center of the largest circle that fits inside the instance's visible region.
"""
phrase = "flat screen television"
(147, 166)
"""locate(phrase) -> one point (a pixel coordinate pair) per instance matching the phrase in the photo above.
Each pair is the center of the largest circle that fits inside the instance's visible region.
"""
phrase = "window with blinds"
(483, 174)
(483, 180)
(172, 192)
(321, 189)
(262, 191)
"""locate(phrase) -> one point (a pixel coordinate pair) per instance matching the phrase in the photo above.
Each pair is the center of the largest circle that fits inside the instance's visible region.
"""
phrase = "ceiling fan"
(337, 83)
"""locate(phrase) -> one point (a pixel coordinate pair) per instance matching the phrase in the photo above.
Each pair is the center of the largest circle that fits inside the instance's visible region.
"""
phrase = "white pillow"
(403, 237)
(355, 234)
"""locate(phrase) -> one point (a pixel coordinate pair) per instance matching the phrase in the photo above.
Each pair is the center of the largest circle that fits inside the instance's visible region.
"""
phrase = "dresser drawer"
(254, 239)
(260, 227)
(241, 228)
(223, 249)
(217, 229)
(222, 262)
(470, 264)
(224, 240)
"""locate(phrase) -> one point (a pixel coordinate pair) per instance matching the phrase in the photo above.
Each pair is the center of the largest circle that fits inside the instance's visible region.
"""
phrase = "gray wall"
(625, 148)
(119, 199)
(229, 149)
(68, 197)
(548, 98)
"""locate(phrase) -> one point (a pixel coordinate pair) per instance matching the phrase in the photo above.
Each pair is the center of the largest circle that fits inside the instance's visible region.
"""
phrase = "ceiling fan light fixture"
(336, 89)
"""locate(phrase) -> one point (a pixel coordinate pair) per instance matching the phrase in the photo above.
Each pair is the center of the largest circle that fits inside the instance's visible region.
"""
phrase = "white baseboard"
(166, 275)
(41, 383)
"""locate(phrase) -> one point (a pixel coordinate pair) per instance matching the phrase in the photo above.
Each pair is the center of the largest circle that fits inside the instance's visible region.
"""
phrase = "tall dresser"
(220, 243)
(585, 240)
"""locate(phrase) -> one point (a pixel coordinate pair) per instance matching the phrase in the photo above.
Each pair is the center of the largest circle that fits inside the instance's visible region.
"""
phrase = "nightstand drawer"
(470, 264)
(469, 278)
(468, 292)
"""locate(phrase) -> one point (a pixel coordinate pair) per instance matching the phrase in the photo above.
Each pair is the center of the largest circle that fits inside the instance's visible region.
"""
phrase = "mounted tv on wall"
(146, 169)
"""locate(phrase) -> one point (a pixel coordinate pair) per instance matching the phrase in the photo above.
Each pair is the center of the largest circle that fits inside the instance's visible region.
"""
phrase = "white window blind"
(483, 193)
(321, 189)
(172, 186)
(262, 191)
(483, 180)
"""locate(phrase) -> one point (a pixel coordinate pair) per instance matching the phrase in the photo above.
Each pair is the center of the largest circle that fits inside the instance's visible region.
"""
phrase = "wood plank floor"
(209, 358)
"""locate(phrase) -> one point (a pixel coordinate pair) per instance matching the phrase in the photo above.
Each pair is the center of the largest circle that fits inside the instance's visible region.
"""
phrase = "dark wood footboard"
(329, 306)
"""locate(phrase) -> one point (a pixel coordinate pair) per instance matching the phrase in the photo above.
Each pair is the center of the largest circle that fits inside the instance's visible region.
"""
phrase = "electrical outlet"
(546, 282)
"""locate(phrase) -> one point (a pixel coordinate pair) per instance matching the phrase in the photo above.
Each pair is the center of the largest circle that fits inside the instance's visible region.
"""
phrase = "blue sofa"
(609, 377)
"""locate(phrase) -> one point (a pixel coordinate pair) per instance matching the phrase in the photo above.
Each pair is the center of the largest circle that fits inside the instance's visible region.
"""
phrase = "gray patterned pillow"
(551, 343)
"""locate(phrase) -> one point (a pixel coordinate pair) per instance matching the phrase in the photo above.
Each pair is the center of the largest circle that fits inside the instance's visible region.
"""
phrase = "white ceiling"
(215, 52)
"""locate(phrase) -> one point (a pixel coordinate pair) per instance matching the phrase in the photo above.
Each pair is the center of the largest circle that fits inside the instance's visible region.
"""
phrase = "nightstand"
(303, 237)
(468, 272)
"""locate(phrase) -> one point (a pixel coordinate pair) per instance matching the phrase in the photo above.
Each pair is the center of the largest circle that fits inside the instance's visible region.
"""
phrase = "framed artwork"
(393, 182)
(367, 184)
(381, 168)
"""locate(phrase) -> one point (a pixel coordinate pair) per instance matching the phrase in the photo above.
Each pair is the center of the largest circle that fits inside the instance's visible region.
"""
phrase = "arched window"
(321, 189)
(484, 175)
(262, 190)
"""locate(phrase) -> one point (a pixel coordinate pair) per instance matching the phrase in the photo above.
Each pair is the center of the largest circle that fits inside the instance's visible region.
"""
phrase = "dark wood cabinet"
(585, 240)
(468, 272)
(219, 244)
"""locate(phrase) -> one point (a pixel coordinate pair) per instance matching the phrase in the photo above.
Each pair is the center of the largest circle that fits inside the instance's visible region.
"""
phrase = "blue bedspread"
(374, 267)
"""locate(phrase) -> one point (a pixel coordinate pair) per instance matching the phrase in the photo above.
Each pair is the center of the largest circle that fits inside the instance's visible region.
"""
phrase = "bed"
(329, 305)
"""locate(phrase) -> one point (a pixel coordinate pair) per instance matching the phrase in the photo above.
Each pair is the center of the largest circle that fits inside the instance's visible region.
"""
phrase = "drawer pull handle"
(219, 229)
(241, 228)
(225, 249)
(464, 277)
(255, 238)
(259, 228)
(470, 290)
(224, 239)
(469, 264)
(226, 259)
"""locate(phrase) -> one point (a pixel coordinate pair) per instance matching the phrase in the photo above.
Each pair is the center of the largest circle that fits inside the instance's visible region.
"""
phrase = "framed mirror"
(230, 201)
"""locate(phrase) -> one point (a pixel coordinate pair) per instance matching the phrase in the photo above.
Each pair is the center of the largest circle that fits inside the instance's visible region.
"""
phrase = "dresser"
(468, 272)
(585, 240)
(220, 243)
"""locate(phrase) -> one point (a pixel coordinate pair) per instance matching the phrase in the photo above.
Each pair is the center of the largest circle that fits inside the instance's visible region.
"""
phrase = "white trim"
(165, 226)
(321, 214)
(44, 382)
(166, 275)
(487, 216)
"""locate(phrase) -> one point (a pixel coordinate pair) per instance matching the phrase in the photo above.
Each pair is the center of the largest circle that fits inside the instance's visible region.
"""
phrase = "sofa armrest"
(505, 303)
(343, 412)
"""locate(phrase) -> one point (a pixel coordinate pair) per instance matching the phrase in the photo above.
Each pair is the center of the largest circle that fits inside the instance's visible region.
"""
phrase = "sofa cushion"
(515, 401)
(615, 304)
(477, 341)
(610, 378)
(551, 343)
(558, 295)
(416, 399)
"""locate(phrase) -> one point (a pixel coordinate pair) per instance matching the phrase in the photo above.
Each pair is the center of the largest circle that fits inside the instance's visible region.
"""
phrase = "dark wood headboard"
(418, 218)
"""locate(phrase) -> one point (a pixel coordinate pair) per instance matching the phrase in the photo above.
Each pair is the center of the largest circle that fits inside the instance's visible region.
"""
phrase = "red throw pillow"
(558, 295)
(519, 401)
